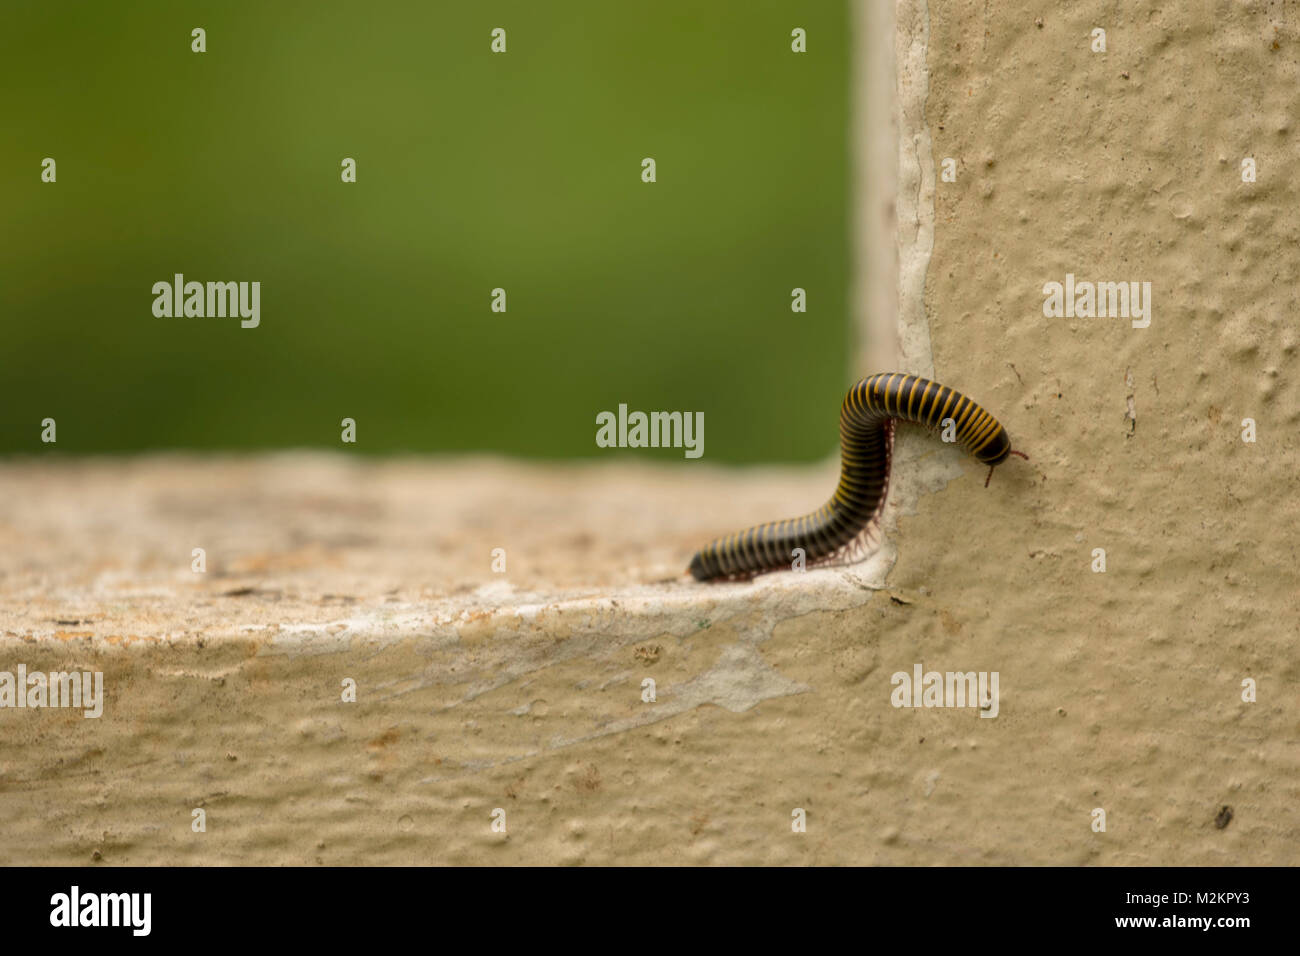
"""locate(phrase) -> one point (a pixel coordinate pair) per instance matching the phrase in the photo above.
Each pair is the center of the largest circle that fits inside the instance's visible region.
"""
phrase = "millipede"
(867, 418)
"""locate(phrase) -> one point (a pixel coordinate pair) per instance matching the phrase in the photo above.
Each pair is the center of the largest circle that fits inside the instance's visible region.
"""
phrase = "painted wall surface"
(1122, 690)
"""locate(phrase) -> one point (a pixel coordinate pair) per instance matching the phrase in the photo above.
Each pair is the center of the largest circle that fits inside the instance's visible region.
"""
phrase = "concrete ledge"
(224, 689)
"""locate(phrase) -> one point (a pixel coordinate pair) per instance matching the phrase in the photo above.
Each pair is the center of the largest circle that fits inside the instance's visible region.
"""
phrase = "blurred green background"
(475, 170)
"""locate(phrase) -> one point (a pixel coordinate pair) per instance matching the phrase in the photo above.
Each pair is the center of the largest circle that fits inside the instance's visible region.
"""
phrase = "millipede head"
(996, 449)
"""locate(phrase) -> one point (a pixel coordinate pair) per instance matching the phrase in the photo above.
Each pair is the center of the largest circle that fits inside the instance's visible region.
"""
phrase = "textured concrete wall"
(1121, 690)
(475, 689)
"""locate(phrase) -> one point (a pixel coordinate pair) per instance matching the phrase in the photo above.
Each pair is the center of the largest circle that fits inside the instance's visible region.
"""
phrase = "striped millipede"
(867, 419)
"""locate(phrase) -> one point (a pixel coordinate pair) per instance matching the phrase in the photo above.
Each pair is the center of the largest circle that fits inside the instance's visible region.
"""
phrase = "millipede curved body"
(867, 419)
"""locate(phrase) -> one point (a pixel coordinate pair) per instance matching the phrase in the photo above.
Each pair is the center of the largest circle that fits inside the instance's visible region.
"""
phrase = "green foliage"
(475, 170)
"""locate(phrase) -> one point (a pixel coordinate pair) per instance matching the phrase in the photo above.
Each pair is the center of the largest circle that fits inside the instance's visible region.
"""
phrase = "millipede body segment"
(867, 419)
